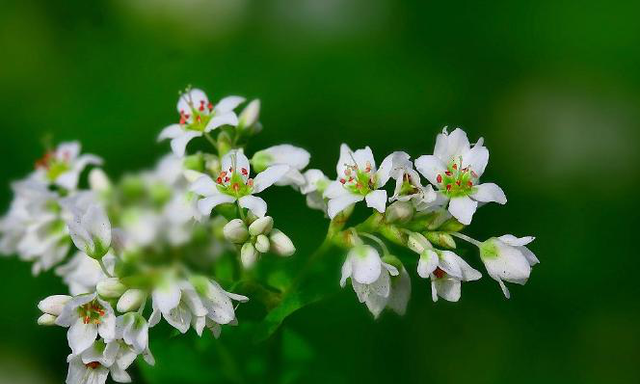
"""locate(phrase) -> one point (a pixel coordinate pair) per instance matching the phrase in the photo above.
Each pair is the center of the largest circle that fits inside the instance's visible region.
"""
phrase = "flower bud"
(131, 300)
(111, 288)
(262, 226)
(98, 180)
(418, 243)
(262, 244)
(236, 231)
(47, 320)
(281, 244)
(53, 304)
(194, 162)
(400, 211)
(249, 115)
(441, 239)
(248, 255)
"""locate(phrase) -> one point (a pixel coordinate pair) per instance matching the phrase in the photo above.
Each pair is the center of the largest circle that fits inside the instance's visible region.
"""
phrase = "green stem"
(211, 140)
(326, 245)
(385, 250)
(104, 268)
(466, 238)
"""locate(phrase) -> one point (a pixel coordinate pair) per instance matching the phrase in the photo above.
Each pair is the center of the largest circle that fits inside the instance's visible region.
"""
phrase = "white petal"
(255, 204)
(68, 151)
(179, 144)
(238, 158)
(171, 132)
(269, 176)
(339, 204)
(364, 157)
(192, 99)
(516, 241)
(452, 145)
(345, 272)
(509, 264)
(293, 156)
(366, 264)
(207, 204)
(179, 318)
(229, 103)
(476, 158)
(167, 296)
(377, 200)
(430, 166)
(448, 288)
(118, 375)
(98, 224)
(382, 286)
(468, 272)
(448, 262)
(227, 118)
(335, 189)
(346, 158)
(427, 263)
(204, 186)
(81, 336)
(400, 293)
(68, 180)
(489, 192)
(463, 208)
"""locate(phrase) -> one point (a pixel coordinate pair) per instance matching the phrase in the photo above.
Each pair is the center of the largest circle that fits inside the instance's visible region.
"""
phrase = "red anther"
(448, 187)
(86, 320)
(474, 174)
(351, 179)
(455, 166)
(358, 186)
(244, 171)
(226, 179)
(210, 106)
(198, 119)
(343, 181)
(458, 183)
(223, 173)
(250, 182)
(219, 180)
(439, 273)
(439, 178)
(230, 169)
(235, 186)
(470, 183)
(201, 109)
(347, 171)
(93, 365)
(448, 173)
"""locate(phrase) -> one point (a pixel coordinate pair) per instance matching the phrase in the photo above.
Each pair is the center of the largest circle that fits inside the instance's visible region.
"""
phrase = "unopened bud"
(441, 239)
(281, 244)
(249, 115)
(111, 288)
(261, 226)
(400, 211)
(248, 255)
(53, 304)
(418, 243)
(98, 180)
(47, 320)
(236, 231)
(131, 300)
(262, 244)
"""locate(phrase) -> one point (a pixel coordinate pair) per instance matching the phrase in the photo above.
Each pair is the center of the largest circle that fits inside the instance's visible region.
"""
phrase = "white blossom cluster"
(140, 250)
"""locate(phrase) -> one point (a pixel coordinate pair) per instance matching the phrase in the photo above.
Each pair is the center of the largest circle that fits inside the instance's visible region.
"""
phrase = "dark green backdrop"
(553, 86)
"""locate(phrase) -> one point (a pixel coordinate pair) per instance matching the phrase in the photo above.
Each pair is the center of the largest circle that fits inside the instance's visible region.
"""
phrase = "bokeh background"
(553, 86)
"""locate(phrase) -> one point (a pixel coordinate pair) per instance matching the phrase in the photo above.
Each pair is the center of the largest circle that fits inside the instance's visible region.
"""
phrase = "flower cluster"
(154, 245)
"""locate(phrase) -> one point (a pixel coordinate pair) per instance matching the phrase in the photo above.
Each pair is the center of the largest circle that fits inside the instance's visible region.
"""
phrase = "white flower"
(296, 158)
(315, 184)
(176, 301)
(54, 305)
(400, 292)
(91, 231)
(133, 329)
(218, 304)
(358, 179)
(446, 271)
(370, 278)
(87, 316)
(408, 184)
(64, 165)
(507, 259)
(455, 169)
(199, 116)
(234, 184)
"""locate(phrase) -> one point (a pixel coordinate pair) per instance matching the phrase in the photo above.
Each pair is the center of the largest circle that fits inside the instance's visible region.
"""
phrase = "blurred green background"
(553, 86)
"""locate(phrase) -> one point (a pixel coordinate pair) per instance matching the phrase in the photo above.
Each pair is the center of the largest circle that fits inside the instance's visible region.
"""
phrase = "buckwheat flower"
(408, 184)
(177, 302)
(296, 158)
(234, 184)
(370, 277)
(400, 292)
(447, 271)
(133, 329)
(507, 259)
(63, 166)
(358, 180)
(315, 185)
(91, 231)
(455, 169)
(83, 273)
(197, 117)
(87, 316)
(220, 309)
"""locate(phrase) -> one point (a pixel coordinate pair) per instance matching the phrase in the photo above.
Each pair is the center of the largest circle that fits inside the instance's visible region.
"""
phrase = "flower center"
(359, 181)
(439, 273)
(91, 313)
(408, 187)
(235, 182)
(53, 164)
(198, 117)
(457, 180)
(93, 365)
